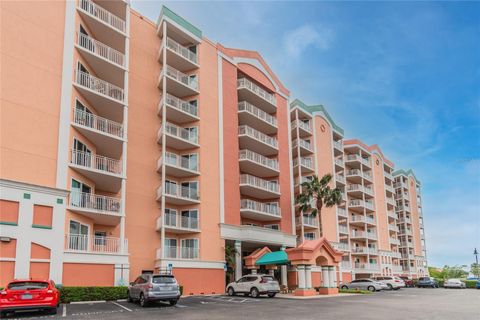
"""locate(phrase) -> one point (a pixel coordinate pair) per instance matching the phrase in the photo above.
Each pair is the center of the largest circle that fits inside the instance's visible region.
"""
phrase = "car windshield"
(28, 285)
(424, 279)
(163, 279)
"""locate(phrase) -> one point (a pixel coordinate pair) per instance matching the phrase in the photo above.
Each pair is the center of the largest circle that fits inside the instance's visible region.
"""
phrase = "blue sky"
(405, 75)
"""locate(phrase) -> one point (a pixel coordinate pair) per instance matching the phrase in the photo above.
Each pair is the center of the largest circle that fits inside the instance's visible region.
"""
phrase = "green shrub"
(73, 294)
(181, 290)
(440, 282)
(472, 284)
(354, 291)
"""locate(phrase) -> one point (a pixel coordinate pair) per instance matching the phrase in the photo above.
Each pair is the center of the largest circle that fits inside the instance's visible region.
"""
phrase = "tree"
(230, 253)
(475, 269)
(449, 272)
(316, 194)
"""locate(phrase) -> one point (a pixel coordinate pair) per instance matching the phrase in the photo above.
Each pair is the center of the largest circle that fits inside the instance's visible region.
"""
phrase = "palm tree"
(230, 253)
(316, 194)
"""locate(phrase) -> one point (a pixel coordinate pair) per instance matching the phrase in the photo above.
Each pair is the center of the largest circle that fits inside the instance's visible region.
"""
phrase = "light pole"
(475, 253)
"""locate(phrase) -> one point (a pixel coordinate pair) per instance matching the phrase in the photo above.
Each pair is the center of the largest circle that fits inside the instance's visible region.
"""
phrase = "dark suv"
(427, 282)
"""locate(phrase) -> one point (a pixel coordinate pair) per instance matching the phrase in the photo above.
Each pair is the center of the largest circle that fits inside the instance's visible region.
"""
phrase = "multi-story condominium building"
(129, 146)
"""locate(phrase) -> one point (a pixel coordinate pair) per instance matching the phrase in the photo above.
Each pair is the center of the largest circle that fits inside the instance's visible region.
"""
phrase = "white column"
(325, 277)
(271, 272)
(283, 271)
(254, 271)
(301, 277)
(238, 260)
(308, 277)
(332, 277)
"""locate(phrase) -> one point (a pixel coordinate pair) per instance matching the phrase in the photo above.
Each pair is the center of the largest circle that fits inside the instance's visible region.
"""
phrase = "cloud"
(298, 40)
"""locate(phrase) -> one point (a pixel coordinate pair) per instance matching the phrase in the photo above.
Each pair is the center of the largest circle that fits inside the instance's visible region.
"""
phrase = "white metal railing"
(354, 187)
(269, 208)
(367, 175)
(100, 49)
(247, 84)
(343, 229)
(403, 220)
(369, 219)
(258, 158)
(346, 265)
(354, 172)
(358, 234)
(365, 266)
(178, 104)
(170, 252)
(371, 235)
(190, 81)
(257, 112)
(339, 161)
(400, 184)
(389, 188)
(95, 122)
(392, 227)
(96, 162)
(181, 50)
(179, 132)
(301, 124)
(178, 191)
(302, 143)
(355, 203)
(394, 241)
(304, 161)
(392, 214)
(368, 189)
(257, 182)
(257, 135)
(342, 246)
(342, 212)
(357, 218)
(340, 178)
(310, 220)
(366, 161)
(98, 85)
(369, 204)
(178, 161)
(396, 254)
(102, 14)
(372, 251)
(353, 157)
(338, 145)
(397, 269)
(303, 179)
(95, 202)
(95, 244)
(189, 253)
(391, 201)
(359, 250)
(388, 175)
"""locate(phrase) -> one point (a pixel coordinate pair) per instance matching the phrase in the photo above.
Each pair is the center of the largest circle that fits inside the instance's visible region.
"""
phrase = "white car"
(454, 283)
(392, 283)
(255, 285)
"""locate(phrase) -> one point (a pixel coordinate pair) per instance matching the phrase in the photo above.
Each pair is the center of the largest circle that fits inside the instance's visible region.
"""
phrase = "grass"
(354, 291)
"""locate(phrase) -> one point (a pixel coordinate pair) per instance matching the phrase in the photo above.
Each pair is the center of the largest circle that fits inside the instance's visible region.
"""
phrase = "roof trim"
(408, 173)
(317, 110)
(180, 21)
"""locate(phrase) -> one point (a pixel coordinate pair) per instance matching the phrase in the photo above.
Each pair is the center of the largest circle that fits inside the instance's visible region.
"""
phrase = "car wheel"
(173, 302)
(254, 293)
(143, 301)
(129, 297)
(390, 287)
(52, 311)
(230, 291)
(371, 289)
(344, 287)
(271, 295)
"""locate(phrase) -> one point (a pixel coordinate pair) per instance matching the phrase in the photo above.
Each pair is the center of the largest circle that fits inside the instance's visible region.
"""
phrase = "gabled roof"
(407, 173)
(376, 148)
(317, 109)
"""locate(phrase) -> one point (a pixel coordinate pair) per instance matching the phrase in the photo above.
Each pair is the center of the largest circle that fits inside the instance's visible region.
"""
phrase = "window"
(190, 189)
(272, 226)
(170, 217)
(81, 156)
(170, 248)
(163, 279)
(42, 216)
(100, 238)
(84, 116)
(81, 68)
(190, 161)
(189, 248)
(78, 237)
(79, 196)
(190, 219)
(309, 236)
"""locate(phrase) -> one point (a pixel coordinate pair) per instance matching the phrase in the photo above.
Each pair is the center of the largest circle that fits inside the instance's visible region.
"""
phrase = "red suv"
(408, 282)
(39, 295)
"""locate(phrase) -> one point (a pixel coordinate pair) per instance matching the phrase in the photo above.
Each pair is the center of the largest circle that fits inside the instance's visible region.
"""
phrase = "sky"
(404, 75)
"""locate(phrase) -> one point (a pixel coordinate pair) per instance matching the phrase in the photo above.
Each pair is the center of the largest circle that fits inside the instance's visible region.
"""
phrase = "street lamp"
(475, 253)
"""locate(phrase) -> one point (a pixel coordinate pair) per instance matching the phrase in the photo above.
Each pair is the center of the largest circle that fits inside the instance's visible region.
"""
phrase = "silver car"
(392, 283)
(255, 285)
(454, 283)
(364, 284)
(154, 287)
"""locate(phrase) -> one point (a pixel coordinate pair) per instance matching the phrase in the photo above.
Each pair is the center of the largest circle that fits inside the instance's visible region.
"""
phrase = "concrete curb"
(88, 302)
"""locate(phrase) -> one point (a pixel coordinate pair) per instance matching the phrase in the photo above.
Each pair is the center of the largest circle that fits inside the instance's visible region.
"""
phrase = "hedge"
(354, 291)
(73, 294)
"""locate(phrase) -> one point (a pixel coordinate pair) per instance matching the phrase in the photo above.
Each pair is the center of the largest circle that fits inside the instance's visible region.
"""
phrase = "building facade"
(131, 146)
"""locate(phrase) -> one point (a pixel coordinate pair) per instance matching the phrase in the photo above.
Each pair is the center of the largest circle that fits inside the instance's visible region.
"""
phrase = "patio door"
(78, 236)
(80, 194)
(83, 115)
(81, 156)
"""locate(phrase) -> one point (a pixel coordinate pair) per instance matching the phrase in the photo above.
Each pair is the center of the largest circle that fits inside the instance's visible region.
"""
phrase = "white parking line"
(64, 311)
(118, 304)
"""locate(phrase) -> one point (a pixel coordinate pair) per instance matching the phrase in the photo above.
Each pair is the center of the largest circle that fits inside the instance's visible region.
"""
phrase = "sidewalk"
(292, 296)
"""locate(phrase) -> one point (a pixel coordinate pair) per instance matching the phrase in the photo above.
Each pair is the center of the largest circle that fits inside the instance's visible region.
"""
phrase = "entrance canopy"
(276, 257)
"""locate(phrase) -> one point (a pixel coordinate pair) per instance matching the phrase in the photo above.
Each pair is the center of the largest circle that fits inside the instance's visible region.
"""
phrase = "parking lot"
(403, 304)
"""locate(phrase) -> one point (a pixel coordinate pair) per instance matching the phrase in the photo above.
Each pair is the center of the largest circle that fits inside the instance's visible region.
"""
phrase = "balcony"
(104, 210)
(178, 166)
(177, 137)
(176, 223)
(105, 172)
(366, 267)
(406, 244)
(339, 163)
(372, 251)
(369, 205)
(249, 91)
(358, 235)
(305, 147)
(345, 265)
(393, 228)
(79, 243)
(342, 212)
(408, 256)
(107, 26)
(175, 252)
(341, 246)
(178, 195)
(400, 184)
(178, 56)
(105, 134)
(304, 129)
(256, 141)
(355, 176)
(178, 110)
(306, 164)
(394, 241)
(359, 250)
(367, 175)
(108, 63)
(392, 215)
(342, 230)
(404, 220)
(396, 254)
(355, 189)
(353, 158)
(356, 205)
(179, 84)
(389, 189)
(390, 201)
(257, 165)
(302, 180)
(357, 219)
(260, 211)
(338, 145)
(388, 175)
(258, 188)
(256, 118)
(401, 195)
(309, 221)
(107, 98)
(368, 189)
(371, 235)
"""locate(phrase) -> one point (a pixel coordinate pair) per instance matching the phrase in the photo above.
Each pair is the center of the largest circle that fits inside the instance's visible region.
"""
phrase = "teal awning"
(277, 257)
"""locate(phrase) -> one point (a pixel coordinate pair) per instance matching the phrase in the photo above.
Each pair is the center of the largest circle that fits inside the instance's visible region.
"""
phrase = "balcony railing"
(310, 220)
(189, 253)
(95, 244)
(388, 175)
(96, 162)
(343, 229)
(392, 227)
(389, 188)
(179, 191)
(369, 205)
(186, 79)
(303, 179)
(392, 214)
(358, 234)
(346, 265)
(102, 14)
(306, 162)
(366, 266)
(247, 84)
(95, 202)
(257, 135)
(302, 125)
(259, 183)
(342, 246)
(175, 220)
(368, 190)
(371, 236)
(95, 122)
(354, 172)
(170, 252)
(340, 178)
(269, 208)
(342, 212)
(302, 143)
(355, 203)
(99, 86)
(357, 218)
(359, 249)
(394, 241)
(338, 145)
(178, 104)
(181, 50)
(339, 161)
(258, 113)
(178, 161)
(367, 175)
(354, 187)
(353, 157)
(179, 132)
(100, 49)
(258, 158)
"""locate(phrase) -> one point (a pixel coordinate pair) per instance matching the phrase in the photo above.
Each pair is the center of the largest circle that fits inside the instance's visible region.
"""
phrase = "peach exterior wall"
(31, 54)
(39, 252)
(142, 209)
(200, 281)
(40, 270)
(42, 215)
(8, 249)
(9, 211)
(417, 242)
(324, 146)
(7, 272)
(380, 203)
(83, 274)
